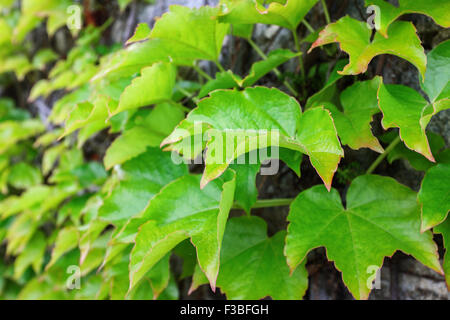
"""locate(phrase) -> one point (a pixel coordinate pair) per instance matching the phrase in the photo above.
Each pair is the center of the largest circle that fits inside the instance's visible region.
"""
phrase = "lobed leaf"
(406, 109)
(434, 196)
(381, 216)
(255, 119)
(354, 38)
(253, 266)
(287, 14)
(180, 211)
(388, 12)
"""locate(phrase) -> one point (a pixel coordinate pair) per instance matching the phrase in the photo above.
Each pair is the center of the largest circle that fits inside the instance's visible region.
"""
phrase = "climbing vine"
(185, 153)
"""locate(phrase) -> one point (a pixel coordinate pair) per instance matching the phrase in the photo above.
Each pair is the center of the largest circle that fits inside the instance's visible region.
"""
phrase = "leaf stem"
(300, 60)
(383, 155)
(188, 94)
(275, 70)
(202, 73)
(269, 203)
(308, 26)
(221, 68)
(325, 11)
(180, 106)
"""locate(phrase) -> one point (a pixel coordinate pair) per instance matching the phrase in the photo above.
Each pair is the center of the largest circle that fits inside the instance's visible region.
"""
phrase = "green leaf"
(180, 211)
(180, 36)
(388, 12)
(24, 176)
(14, 204)
(123, 4)
(381, 216)
(444, 229)
(287, 15)
(66, 104)
(405, 108)
(246, 192)
(67, 240)
(434, 196)
(359, 103)
(258, 118)
(141, 178)
(416, 160)
(42, 57)
(87, 113)
(437, 77)
(141, 33)
(12, 132)
(149, 132)
(248, 256)
(354, 38)
(329, 93)
(223, 80)
(192, 30)
(155, 85)
(242, 30)
(228, 80)
(32, 255)
(259, 69)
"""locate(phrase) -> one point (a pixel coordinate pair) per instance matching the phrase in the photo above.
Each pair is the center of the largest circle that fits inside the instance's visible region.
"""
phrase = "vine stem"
(275, 70)
(308, 26)
(221, 68)
(188, 95)
(300, 60)
(380, 158)
(269, 203)
(325, 10)
(202, 73)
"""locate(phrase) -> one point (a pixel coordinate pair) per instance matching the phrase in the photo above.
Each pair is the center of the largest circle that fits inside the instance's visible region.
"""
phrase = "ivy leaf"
(381, 217)
(155, 85)
(258, 118)
(259, 69)
(329, 93)
(24, 176)
(246, 192)
(32, 255)
(248, 257)
(12, 132)
(444, 229)
(195, 30)
(65, 105)
(180, 211)
(389, 13)
(286, 14)
(180, 36)
(436, 84)
(228, 80)
(67, 240)
(242, 30)
(360, 103)
(142, 178)
(416, 160)
(434, 196)
(42, 57)
(354, 38)
(141, 33)
(86, 113)
(405, 108)
(223, 80)
(148, 133)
